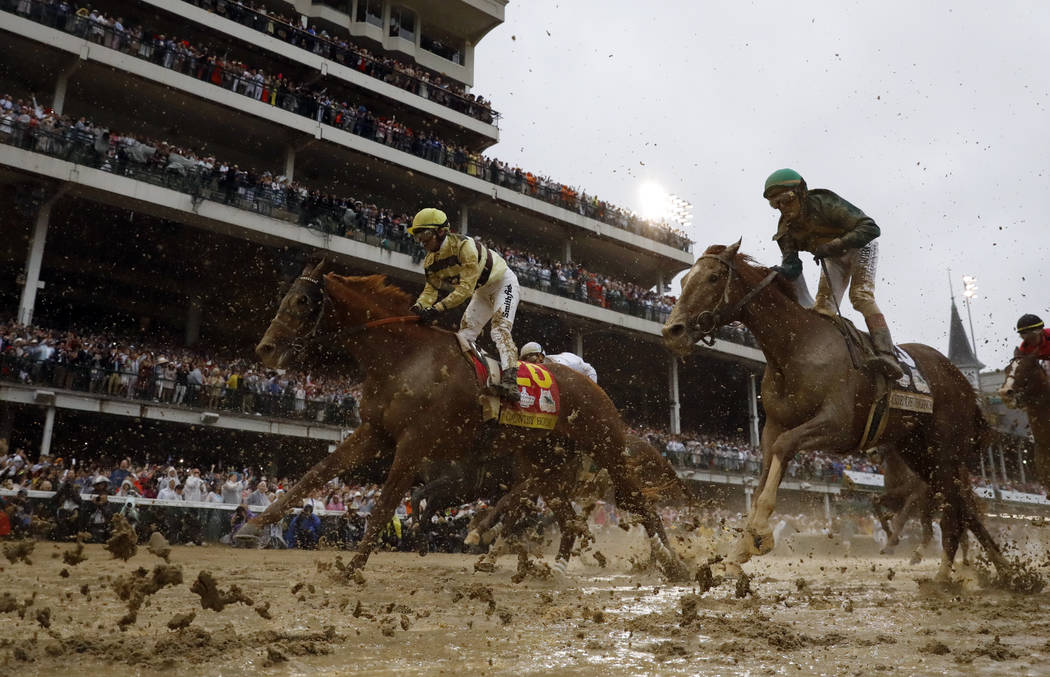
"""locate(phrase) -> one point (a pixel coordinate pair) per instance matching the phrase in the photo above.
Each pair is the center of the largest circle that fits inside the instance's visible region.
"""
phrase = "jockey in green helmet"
(822, 223)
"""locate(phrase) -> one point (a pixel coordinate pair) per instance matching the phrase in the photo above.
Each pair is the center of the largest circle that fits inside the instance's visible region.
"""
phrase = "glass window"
(403, 23)
(370, 11)
(446, 48)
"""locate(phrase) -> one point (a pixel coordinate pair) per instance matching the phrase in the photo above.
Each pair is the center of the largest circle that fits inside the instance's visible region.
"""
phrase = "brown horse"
(1027, 386)
(815, 400)
(420, 404)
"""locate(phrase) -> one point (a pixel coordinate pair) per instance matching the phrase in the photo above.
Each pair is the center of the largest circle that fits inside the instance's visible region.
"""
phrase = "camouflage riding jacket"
(824, 217)
(461, 265)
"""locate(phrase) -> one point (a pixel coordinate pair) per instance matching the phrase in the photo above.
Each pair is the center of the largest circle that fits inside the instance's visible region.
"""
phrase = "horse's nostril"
(675, 330)
(264, 348)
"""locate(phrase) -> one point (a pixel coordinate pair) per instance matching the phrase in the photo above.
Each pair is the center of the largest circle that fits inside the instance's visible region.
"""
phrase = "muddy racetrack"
(282, 613)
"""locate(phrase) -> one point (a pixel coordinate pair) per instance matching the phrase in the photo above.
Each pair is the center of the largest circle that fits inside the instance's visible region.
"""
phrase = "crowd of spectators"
(335, 515)
(26, 124)
(117, 366)
(324, 106)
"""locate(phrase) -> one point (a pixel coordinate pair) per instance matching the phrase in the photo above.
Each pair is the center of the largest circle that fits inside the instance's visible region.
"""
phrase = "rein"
(717, 316)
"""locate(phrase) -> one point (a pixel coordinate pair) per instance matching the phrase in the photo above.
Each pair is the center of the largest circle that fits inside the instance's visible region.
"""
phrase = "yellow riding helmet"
(428, 217)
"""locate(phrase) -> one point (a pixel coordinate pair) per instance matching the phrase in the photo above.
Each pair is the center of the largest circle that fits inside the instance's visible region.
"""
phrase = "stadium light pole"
(970, 292)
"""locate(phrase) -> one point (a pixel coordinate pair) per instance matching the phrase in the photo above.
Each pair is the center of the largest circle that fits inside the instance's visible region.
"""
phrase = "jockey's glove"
(426, 315)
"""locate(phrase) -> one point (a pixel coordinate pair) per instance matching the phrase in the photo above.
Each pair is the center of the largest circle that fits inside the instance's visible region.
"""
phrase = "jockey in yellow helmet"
(468, 270)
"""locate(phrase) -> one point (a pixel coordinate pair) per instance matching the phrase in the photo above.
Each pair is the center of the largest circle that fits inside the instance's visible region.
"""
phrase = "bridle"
(299, 343)
(720, 314)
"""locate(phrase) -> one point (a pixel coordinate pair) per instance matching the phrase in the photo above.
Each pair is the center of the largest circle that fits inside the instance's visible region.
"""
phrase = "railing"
(106, 381)
(335, 217)
(352, 119)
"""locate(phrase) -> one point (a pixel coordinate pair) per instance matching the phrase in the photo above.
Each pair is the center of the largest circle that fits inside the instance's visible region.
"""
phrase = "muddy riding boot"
(508, 386)
(884, 360)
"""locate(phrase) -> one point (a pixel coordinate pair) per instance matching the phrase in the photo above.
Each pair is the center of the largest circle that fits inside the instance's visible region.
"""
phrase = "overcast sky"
(932, 117)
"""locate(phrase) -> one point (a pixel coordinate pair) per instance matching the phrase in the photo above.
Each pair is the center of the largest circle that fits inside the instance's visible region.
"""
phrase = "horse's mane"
(373, 287)
(752, 271)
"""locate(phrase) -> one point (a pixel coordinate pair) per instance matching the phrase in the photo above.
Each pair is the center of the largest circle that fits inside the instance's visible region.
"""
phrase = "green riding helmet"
(780, 180)
(426, 218)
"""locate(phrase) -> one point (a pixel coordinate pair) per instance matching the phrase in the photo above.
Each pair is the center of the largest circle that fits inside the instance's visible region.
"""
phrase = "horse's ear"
(731, 250)
(321, 268)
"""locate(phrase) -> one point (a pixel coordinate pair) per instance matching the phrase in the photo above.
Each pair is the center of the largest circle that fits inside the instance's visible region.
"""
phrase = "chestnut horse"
(815, 400)
(1027, 386)
(420, 405)
(905, 494)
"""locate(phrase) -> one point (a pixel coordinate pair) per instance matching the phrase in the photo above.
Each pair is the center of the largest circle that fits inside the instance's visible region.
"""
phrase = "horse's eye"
(302, 300)
(713, 277)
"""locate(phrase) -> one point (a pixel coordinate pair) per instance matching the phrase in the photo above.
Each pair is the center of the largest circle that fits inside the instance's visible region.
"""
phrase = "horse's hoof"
(473, 538)
(560, 565)
(916, 557)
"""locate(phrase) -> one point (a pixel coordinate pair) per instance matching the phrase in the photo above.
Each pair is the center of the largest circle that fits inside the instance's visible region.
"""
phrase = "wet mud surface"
(216, 610)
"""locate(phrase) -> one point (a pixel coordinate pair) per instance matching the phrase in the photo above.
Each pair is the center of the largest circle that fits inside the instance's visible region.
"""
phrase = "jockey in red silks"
(1035, 339)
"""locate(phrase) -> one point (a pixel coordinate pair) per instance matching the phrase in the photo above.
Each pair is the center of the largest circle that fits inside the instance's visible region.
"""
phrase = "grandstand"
(172, 164)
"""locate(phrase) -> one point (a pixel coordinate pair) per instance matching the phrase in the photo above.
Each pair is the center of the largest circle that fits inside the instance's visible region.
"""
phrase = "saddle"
(911, 392)
(539, 401)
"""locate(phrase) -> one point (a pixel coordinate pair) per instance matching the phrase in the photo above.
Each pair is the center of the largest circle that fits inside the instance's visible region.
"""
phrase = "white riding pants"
(497, 300)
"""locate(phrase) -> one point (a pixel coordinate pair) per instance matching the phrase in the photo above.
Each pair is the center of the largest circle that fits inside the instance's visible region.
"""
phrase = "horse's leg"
(951, 528)
(820, 432)
(365, 444)
(971, 520)
(398, 481)
(902, 517)
(509, 501)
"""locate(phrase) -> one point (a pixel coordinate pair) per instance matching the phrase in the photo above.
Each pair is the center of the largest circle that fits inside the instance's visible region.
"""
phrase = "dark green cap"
(782, 178)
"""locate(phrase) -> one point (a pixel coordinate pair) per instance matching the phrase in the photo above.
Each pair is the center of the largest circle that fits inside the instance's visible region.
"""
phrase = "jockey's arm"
(427, 296)
(858, 229)
(790, 264)
(469, 270)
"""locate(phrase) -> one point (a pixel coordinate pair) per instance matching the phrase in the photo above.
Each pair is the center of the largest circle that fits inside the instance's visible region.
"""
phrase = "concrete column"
(1002, 462)
(991, 465)
(672, 383)
(827, 507)
(289, 162)
(193, 323)
(58, 101)
(566, 255)
(1020, 463)
(752, 409)
(660, 283)
(748, 493)
(984, 474)
(577, 342)
(35, 260)
(49, 428)
(464, 220)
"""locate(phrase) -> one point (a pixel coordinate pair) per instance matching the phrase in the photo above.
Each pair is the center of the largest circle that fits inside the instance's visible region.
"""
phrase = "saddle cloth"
(539, 400)
(911, 392)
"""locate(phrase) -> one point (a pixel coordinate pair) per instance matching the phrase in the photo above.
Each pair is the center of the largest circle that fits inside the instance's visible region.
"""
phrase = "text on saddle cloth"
(539, 400)
(911, 392)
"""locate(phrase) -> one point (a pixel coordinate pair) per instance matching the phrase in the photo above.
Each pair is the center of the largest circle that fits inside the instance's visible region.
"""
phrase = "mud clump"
(688, 605)
(159, 546)
(263, 609)
(123, 544)
(527, 568)
(76, 555)
(995, 650)
(934, 647)
(215, 599)
(43, 617)
(180, 621)
(19, 550)
(140, 584)
(600, 559)
(7, 603)
(743, 586)
(666, 651)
